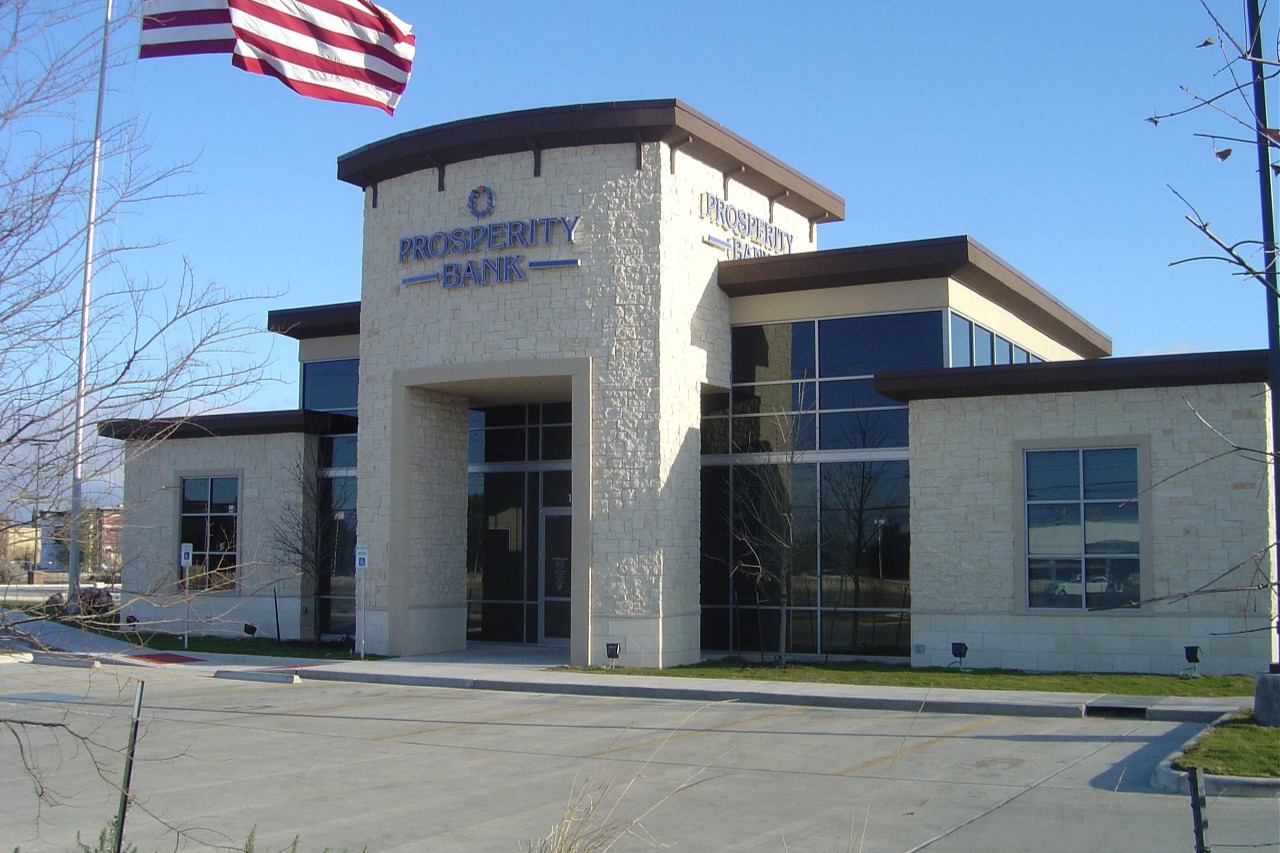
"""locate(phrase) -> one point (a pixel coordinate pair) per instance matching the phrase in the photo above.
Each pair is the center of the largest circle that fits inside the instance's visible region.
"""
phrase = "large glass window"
(807, 497)
(331, 386)
(336, 584)
(973, 345)
(518, 464)
(1083, 534)
(209, 521)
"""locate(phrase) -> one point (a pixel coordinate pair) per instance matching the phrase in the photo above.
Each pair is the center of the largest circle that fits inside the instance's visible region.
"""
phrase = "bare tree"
(299, 531)
(157, 348)
(773, 514)
(1237, 103)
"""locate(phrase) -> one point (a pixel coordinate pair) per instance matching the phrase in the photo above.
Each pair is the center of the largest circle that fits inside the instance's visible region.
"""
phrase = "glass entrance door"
(556, 569)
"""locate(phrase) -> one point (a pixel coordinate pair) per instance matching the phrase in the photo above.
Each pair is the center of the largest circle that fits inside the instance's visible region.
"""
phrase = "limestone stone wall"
(637, 327)
(150, 588)
(1202, 514)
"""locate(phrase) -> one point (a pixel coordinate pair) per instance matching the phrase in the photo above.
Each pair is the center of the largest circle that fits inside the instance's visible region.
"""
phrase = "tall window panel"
(1083, 528)
(209, 522)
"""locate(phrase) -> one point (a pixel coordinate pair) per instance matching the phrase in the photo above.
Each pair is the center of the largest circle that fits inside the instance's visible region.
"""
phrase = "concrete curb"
(253, 675)
(80, 661)
(1171, 781)
(710, 694)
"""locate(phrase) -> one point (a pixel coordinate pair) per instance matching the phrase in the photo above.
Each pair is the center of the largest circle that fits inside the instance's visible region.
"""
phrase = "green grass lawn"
(902, 675)
(1238, 747)
(261, 646)
(264, 646)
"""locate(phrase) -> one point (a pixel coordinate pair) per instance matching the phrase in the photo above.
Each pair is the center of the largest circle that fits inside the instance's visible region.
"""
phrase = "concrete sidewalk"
(542, 670)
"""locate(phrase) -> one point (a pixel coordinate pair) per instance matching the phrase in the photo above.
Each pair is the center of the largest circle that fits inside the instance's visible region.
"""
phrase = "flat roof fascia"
(960, 258)
(316, 321)
(1106, 374)
(233, 424)
(665, 120)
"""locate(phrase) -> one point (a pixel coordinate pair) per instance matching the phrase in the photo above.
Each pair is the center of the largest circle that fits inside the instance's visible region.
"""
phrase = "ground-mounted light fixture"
(612, 651)
(250, 629)
(1192, 654)
(958, 651)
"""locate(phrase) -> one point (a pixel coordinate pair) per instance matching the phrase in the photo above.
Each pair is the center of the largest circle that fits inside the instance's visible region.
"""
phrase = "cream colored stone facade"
(151, 589)
(631, 335)
(1205, 514)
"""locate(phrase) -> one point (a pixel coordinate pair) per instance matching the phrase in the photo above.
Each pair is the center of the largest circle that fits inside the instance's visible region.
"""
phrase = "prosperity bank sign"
(483, 252)
(750, 236)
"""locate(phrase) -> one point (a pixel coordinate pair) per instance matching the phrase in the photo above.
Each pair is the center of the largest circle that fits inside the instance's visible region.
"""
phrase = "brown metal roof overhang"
(237, 423)
(961, 258)
(316, 321)
(667, 120)
(1156, 371)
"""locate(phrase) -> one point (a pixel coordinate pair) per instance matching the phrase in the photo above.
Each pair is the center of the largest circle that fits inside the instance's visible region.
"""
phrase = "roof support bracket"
(433, 163)
(675, 146)
(813, 225)
(639, 150)
(373, 195)
(773, 199)
(729, 174)
(537, 157)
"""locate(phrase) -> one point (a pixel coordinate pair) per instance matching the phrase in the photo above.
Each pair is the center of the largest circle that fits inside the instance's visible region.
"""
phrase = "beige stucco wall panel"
(329, 349)
(1006, 324)
(922, 295)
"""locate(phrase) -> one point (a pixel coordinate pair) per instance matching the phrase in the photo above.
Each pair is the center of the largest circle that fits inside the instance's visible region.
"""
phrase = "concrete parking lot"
(397, 768)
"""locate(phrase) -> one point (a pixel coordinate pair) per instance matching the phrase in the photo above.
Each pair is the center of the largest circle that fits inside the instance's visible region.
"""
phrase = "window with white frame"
(1083, 528)
(209, 524)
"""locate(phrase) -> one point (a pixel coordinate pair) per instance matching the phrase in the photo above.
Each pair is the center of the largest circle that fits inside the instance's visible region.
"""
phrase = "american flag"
(338, 50)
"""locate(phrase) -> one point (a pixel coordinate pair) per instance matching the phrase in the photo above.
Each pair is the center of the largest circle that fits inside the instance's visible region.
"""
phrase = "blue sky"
(1020, 124)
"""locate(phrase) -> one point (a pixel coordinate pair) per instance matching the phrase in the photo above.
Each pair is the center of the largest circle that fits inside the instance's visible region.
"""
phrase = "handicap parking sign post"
(184, 559)
(362, 563)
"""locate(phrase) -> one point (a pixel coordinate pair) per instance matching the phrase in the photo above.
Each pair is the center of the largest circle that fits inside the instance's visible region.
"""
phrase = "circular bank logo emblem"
(480, 202)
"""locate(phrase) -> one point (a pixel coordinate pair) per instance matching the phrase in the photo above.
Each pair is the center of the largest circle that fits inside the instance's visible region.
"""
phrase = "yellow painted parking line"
(909, 749)
(682, 733)
(503, 719)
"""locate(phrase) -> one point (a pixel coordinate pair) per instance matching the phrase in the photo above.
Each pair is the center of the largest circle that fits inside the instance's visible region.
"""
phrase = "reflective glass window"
(769, 399)
(775, 352)
(862, 346)
(1111, 473)
(338, 451)
(961, 341)
(715, 436)
(1083, 528)
(1053, 475)
(773, 433)
(853, 394)
(872, 428)
(983, 346)
(331, 386)
(557, 413)
(715, 404)
(556, 442)
(209, 522)
(1003, 351)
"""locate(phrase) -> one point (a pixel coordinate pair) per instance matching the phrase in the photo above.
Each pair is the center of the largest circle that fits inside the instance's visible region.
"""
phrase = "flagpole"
(1258, 67)
(82, 366)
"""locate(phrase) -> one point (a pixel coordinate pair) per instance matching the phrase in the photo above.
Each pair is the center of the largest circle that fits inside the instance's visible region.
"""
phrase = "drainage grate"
(1120, 707)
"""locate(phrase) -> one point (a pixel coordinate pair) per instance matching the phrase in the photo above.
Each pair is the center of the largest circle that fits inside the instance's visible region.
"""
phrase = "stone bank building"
(602, 389)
